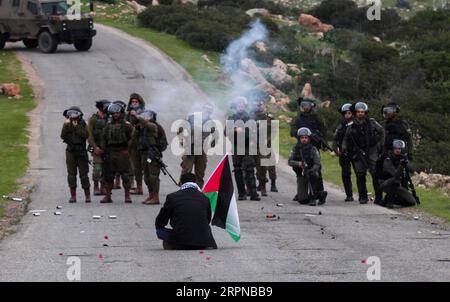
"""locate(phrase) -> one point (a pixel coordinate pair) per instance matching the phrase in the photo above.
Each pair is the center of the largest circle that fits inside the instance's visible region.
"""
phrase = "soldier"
(96, 124)
(305, 161)
(345, 161)
(152, 141)
(396, 169)
(244, 164)
(395, 128)
(137, 105)
(259, 114)
(116, 136)
(363, 141)
(198, 160)
(117, 176)
(74, 133)
(308, 118)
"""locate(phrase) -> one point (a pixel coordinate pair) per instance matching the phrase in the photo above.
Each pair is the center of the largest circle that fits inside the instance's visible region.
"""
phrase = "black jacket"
(189, 212)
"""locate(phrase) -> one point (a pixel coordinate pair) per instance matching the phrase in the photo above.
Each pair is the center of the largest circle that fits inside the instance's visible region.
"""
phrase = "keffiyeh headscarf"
(190, 185)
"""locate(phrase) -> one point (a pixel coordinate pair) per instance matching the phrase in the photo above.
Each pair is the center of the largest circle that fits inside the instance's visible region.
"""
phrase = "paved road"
(301, 246)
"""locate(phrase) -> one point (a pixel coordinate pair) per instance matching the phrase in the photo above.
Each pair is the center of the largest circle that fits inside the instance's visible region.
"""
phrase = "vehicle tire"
(2, 41)
(30, 43)
(83, 45)
(47, 42)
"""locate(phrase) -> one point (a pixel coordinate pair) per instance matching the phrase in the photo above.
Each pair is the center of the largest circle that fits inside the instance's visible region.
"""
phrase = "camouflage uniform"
(367, 136)
(116, 137)
(96, 125)
(190, 159)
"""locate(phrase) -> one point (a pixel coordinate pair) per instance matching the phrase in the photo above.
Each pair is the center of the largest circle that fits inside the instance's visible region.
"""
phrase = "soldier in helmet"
(345, 161)
(75, 133)
(396, 168)
(305, 161)
(190, 160)
(395, 128)
(258, 114)
(116, 185)
(308, 118)
(363, 141)
(96, 124)
(116, 136)
(135, 105)
(244, 164)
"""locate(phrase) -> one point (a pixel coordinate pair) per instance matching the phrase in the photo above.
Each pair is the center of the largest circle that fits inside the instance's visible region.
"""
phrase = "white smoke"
(236, 52)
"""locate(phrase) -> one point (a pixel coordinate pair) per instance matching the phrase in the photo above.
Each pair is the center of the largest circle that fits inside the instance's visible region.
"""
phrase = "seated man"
(189, 213)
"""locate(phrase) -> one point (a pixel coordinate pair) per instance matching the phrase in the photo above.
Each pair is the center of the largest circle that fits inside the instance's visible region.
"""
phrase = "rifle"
(317, 136)
(360, 153)
(305, 166)
(155, 155)
(409, 184)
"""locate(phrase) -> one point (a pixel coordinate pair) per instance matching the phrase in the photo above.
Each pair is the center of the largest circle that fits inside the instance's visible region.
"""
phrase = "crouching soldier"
(75, 133)
(396, 169)
(116, 137)
(305, 161)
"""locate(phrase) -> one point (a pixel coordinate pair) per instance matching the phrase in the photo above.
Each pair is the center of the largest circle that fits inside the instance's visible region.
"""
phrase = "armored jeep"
(45, 24)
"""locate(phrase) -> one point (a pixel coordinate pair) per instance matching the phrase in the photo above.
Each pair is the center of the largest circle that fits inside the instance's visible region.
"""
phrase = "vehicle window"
(32, 7)
(60, 7)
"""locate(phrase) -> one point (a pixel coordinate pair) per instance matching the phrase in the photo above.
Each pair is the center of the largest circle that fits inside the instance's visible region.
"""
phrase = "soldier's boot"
(132, 184)
(323, 197)
(362, 189)
(252, 186)
(273, 186)
(312, 202)
(155, 199)
(263, 190)
(150, 197)
(139, 190)
(73, 195)
(240, 185)
(346, 179)
(127, 194)
(117, 183)
(97, 191)
(87, 195)
(259, 187)
(102, 188)
(107, 198)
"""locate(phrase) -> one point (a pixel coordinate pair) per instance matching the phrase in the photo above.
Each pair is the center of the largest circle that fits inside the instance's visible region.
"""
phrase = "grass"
(13, 123)
(206, 75)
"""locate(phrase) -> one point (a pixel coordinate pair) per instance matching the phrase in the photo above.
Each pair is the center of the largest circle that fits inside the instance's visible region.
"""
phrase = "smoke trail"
(238, 51)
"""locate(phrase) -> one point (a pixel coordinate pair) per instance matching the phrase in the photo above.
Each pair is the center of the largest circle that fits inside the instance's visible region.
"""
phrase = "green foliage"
(108, 1)
(430, 156)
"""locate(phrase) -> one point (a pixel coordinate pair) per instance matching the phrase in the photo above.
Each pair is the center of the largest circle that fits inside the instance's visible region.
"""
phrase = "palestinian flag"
(220, 191)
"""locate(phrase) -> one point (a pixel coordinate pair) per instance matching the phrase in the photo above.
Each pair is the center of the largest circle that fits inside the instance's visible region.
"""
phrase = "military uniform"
(116, 137)
(397, 128)
(190, 159)
(77, 160)
(363, 142)
(310, 175)
(244, 165)
(345, 160)
(312, 121)
(261, 171)
(96, 125)
(395, 183)
(135, 155)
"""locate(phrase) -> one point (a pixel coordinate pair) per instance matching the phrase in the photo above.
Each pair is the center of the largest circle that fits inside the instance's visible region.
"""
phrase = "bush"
(431, 156)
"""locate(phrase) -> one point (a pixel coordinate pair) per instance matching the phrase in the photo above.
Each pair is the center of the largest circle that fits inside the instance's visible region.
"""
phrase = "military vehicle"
(45, 24)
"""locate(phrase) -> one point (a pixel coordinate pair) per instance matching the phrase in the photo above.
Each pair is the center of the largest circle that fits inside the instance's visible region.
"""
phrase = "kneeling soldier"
(305, 161)
(396, 170)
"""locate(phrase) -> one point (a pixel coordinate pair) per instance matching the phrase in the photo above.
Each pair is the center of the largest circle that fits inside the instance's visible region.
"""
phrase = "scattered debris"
(394, 217)
(363, 261)
(271, 216)
(280, 205)
(10, 89)
(310, 215)
(96, 217)
(112, 217)
(106, 237)
(61, 254)
(105, 244)
(58, 207)
(208, 258)
(100, 256)
(416, 217)
(12, 198)
(201, 252)
(320, 213)
(57, 213)
(36, 214)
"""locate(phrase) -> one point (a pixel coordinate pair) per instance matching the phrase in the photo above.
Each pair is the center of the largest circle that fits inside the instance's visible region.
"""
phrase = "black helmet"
(73, 111)
(346, 107)
(303, 131)
(398, 144)
(390, 108)
(360, 105)
(115, 108)
(102, 105)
